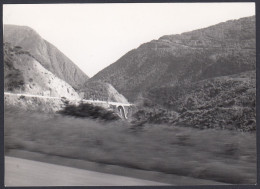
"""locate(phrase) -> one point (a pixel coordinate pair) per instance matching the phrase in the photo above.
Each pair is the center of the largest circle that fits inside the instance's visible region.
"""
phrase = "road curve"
(53, 97)
(22, 172)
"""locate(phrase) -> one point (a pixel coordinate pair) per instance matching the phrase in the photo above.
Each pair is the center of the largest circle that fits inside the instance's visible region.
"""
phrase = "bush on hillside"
(89, 111)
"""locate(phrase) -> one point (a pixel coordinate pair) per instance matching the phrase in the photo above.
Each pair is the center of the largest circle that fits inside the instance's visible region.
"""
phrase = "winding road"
(54, 97)
(22, 172)
(119, 105)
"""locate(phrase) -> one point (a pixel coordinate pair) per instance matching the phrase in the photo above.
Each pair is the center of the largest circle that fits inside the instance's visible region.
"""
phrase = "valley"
(182, 106)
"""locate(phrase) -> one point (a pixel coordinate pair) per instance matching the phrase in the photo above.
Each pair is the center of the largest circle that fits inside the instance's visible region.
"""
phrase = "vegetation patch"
(13, 78)
(220, 155)
(85, 110)
(223, 103)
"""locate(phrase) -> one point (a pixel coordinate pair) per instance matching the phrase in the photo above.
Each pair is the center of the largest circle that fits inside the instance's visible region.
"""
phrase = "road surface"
(22, 172)
(53, 97)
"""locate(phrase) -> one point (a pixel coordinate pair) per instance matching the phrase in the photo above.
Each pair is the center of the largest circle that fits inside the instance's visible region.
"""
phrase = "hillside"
(45, 53)
(25, 74)
(13, 78)
(220, 50)
(102, 91)
(227, 102)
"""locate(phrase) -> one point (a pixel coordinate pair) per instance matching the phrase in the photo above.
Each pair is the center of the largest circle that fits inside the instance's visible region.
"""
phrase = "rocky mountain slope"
(24, 74)
(45, 53)
(220, 50)
(102, 91)
(13, 77)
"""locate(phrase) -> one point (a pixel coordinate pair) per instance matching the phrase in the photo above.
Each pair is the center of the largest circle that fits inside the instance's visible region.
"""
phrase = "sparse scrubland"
(227, 102)
(33, 103)
(102, 91)
(220, 155)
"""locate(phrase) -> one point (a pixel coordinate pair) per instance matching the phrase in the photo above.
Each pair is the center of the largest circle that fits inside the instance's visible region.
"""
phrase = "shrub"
(89, 111)
(21, 97)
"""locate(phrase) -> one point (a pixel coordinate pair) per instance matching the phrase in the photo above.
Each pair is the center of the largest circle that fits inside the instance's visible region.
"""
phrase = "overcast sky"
(96, 35)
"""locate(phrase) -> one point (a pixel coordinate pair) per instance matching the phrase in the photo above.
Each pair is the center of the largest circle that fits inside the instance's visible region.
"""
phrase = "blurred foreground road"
(22, 172)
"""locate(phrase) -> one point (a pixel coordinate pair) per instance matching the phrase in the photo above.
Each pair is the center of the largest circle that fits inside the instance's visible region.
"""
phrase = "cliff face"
(220, 50)
(45, 53)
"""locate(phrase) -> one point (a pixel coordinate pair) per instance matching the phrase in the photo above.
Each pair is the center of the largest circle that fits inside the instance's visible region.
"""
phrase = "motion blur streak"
(21, 172)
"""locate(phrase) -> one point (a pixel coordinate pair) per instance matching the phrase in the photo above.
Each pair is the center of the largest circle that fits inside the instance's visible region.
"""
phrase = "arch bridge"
(122, 109)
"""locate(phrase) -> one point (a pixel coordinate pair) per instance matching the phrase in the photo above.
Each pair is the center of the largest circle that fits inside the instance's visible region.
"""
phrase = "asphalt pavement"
(23, 172)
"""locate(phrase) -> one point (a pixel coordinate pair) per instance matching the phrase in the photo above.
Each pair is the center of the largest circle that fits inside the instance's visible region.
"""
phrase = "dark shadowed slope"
(48, 55)
(223, 49)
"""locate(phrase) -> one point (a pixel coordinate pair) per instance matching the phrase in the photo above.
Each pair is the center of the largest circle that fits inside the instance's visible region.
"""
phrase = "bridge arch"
(122, 112)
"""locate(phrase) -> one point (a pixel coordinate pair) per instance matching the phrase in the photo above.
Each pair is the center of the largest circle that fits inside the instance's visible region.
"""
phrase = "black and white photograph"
(129, 94)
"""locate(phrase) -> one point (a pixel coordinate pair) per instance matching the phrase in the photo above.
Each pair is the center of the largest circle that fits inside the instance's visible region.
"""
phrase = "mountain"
(45, 53)
(23, 73)
(97, 90)
(220, 50)
(34, 66)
